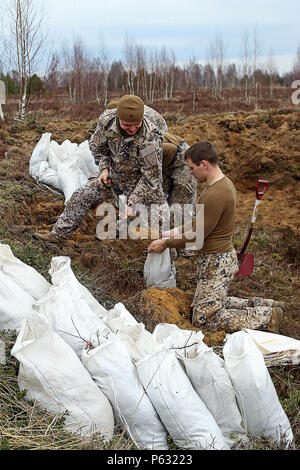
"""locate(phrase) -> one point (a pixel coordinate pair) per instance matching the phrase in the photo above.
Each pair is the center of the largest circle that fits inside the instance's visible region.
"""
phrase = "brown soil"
(256, 146)
(174, 306)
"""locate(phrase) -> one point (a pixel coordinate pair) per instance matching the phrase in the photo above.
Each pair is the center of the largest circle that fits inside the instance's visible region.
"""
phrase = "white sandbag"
(70, 178)
(158, 272)
(55, 155)
(257, 394)
(22, 274)
(39, 154)
(48, 175)
(111, 367)
(170, 335)
(118, 318)
(139, 342)
(56, 380)
(70, 315)
(61, 271)
(87, 160)
(15, 304)
(276, 349)
(72, 173)
(207, 373)
(65, 167)
(183, 413)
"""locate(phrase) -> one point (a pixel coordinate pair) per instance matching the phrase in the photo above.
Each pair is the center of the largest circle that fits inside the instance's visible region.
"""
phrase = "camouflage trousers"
(213, 309)
(90, 196)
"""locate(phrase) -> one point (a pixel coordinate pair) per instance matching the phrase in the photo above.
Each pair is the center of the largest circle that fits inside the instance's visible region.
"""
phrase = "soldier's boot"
(261, 302)
(47, 236)
(274, 323)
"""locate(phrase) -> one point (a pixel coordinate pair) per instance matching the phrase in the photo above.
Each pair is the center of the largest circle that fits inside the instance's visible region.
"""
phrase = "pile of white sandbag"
(66, 167)
(100, 367)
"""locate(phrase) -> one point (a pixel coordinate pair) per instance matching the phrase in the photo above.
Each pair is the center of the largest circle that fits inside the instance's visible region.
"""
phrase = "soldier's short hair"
(202, 151)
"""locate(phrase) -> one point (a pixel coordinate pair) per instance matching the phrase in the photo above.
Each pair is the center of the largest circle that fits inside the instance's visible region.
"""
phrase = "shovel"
(246, 261)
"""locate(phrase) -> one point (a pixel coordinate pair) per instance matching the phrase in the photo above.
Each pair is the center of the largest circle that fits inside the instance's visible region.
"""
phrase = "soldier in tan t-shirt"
(217, 260)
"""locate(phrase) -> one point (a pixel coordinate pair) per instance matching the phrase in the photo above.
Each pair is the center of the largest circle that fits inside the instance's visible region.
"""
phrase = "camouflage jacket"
(156, 118)
(135, 162)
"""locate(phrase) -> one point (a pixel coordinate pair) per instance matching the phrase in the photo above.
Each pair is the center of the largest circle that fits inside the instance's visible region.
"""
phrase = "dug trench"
(252, 146)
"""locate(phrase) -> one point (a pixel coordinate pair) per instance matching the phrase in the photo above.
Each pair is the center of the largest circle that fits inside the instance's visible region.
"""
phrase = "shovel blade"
(246, 263)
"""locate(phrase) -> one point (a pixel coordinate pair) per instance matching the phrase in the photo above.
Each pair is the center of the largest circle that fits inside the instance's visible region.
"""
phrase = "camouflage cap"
(130, 109)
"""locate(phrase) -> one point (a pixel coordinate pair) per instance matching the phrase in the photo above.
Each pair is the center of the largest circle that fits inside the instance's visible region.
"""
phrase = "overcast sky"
(186, 27)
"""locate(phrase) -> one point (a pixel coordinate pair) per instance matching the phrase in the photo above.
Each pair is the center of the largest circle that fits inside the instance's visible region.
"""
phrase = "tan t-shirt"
(219, 201)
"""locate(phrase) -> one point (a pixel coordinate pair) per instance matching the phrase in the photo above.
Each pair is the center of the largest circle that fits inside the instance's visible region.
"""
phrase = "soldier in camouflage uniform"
(179, 186)
(135, 166)
(128, 149)
(217, 261)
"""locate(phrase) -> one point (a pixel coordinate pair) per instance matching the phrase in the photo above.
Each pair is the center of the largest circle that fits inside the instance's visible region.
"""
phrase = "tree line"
(148, 72)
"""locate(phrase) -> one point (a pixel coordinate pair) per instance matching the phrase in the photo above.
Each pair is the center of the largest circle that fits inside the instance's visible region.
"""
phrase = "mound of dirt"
(255, 146)
(174, 306)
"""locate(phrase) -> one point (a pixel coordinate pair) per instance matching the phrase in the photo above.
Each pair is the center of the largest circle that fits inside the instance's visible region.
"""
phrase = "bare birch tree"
(24, 44)
(256, 52)
(296, 65)
(216, 58)
(130, 61)
(153, 66)
(271, 69)
(104, 67)
(246, 66)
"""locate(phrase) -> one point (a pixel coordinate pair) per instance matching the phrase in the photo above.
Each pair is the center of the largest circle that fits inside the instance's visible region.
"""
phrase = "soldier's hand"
(128, 213)
(104, 178)
(157, 246)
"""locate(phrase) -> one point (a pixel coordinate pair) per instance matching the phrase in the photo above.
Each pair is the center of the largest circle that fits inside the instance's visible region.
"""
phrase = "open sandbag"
(138, 340)
(61, 272)
(187, 419)
(158, 270)
(40, 154)
(25, 276)
(111, 367)
(257, 395)
(71, 317)
(66, 167)
(69, 312)
(118, 318)
(15, 304)
(56, 380)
